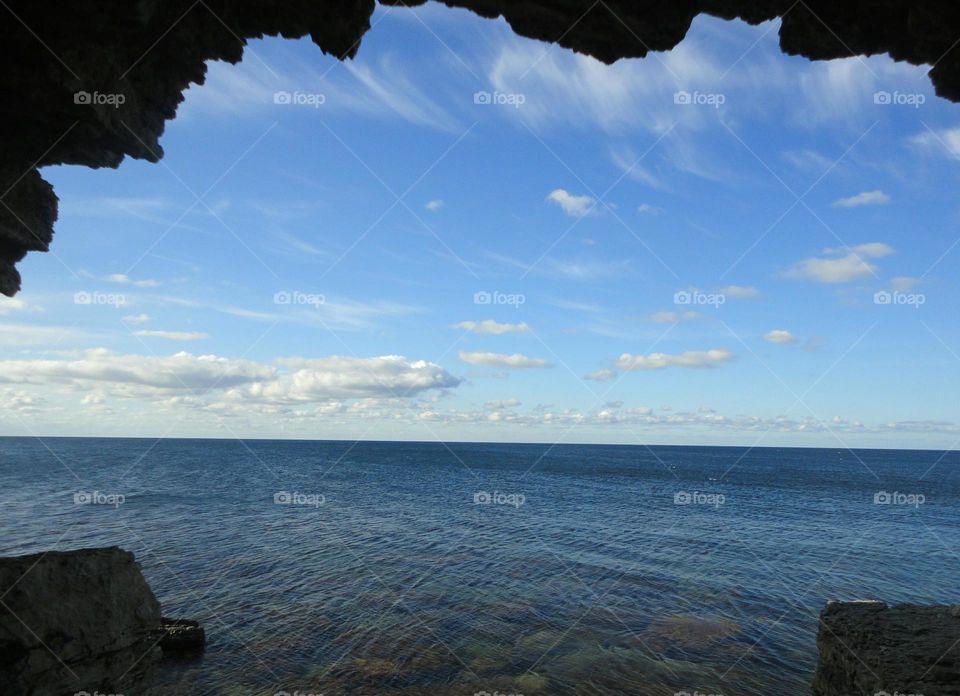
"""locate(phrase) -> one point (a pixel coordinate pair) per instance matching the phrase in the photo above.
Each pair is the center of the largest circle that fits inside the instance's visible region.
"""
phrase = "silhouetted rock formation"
(89, 83)
(868, 648)
(82, 620)
(74, 620)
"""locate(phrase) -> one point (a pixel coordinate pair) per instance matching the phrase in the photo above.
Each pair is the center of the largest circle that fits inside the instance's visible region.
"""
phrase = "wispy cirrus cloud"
(668, 317)
(945, 141)
(382, 88)
(489, 326)
(172, 335)
(740, 292)
(503, 361)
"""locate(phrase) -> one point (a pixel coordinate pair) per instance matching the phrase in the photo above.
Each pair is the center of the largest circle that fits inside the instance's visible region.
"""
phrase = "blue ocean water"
(403, 568)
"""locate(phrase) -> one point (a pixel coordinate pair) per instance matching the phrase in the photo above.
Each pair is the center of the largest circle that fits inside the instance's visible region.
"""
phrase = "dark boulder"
(75, 621)
(181, 637)
(869, 648)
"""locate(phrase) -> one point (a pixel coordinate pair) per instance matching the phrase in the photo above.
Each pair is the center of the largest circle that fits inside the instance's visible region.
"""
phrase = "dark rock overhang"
(150, 51)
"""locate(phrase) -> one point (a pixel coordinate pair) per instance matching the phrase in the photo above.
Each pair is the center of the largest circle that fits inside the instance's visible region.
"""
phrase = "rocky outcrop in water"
(82, 620)
(871, 649)
(181, 637)
(92, 82)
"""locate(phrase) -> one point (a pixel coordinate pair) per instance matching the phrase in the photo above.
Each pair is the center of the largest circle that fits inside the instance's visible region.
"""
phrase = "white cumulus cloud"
(180, 371)
(696, 359)
(11, 304)
(604, 375)
(866, 198)
(840, 265)
(346, 377)
(124, 279)
(574, 206)
(780, 336)
(289, 380)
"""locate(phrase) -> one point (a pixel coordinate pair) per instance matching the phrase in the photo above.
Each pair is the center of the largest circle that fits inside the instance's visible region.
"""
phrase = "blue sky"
(682, 249)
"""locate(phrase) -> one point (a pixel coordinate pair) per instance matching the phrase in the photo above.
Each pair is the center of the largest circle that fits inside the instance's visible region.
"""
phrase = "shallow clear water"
(594, 582)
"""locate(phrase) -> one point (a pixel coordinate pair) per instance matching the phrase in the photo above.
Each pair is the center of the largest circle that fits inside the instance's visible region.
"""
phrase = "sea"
(327, 567)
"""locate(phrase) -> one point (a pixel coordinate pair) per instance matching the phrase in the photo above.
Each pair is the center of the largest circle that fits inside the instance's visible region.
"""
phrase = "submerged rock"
(692, 631)
(870, 648)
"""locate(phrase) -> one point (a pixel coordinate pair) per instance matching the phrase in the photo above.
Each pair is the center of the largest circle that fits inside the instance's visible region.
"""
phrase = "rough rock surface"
(149, 51)
(869, 648)
(181, 637)
(75, 621)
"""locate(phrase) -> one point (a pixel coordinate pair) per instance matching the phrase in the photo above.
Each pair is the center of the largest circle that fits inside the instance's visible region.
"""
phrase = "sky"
(463, 234)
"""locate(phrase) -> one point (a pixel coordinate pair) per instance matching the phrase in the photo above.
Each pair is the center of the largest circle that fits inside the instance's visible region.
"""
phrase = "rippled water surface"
(583, 576)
